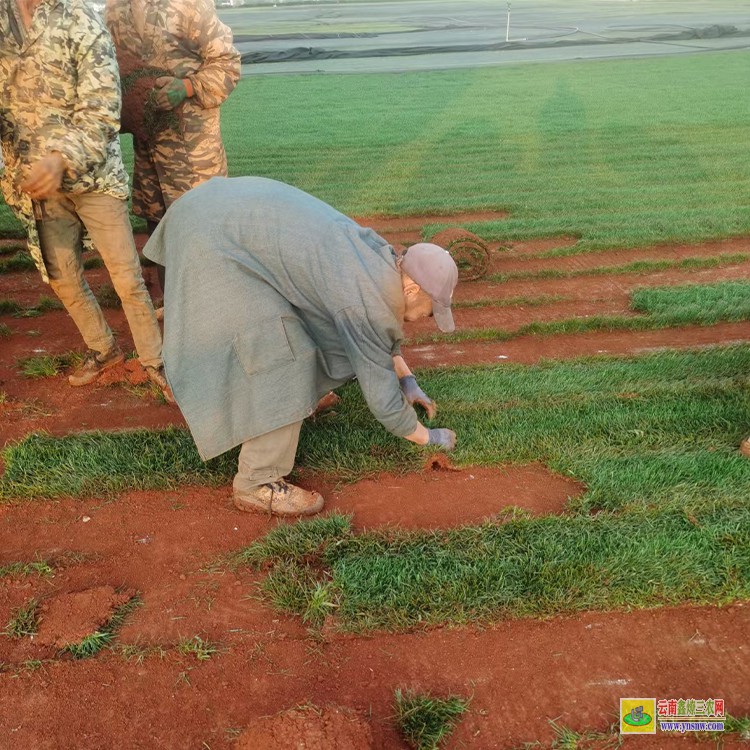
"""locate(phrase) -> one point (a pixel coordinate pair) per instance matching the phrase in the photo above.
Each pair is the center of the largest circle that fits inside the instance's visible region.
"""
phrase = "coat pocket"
(263, 347)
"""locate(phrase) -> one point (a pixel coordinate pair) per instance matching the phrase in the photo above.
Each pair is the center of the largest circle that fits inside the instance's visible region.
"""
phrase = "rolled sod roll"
(471, 254)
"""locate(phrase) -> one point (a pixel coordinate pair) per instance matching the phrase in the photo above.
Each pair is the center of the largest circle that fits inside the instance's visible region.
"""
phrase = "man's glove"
(442, 437)
(169, 92)
(415, 395)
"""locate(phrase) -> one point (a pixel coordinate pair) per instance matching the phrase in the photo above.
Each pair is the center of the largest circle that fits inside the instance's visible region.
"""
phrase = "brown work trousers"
(267, 458)
(106, 221)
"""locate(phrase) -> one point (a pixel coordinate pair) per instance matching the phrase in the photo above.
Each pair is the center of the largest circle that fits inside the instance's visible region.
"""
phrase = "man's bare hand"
(45, 176)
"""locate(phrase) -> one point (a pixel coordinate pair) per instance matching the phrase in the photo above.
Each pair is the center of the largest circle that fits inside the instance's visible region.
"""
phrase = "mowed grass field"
(628, 152)
(619, 153)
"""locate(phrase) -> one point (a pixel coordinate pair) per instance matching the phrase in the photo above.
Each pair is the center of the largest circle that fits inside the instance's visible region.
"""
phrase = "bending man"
(274, 298)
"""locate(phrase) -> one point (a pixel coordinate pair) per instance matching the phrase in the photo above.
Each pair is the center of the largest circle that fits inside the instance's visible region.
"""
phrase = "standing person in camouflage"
(64, 176)
(185, 39)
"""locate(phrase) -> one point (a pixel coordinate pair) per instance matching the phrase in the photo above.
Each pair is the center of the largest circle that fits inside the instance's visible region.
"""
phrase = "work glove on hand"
(169, 92)
(415, 395)
(442, 437)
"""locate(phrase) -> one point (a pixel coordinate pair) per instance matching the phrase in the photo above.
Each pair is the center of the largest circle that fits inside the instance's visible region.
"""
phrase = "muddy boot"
(94, 364)
(281, 499)
(158, 378)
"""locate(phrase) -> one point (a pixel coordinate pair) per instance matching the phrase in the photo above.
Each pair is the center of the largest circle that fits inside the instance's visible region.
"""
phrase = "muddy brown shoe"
(281, 499)
(94, 364)
(159, 379)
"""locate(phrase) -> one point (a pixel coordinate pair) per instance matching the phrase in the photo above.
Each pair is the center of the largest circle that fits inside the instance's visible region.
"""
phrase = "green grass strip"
(92, 644)
(636, 267)
(425, 720)
(21, 261)
(539, 301)
(11, 307)
(659, 307)
(91, 463)
(527, 568)
(655, 430)
(11, 248)
(706, 303)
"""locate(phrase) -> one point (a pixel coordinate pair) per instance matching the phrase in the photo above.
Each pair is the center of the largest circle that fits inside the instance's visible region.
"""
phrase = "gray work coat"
(272, 299)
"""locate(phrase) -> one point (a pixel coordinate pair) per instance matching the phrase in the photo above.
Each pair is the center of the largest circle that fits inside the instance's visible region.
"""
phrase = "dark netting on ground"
(715, 31)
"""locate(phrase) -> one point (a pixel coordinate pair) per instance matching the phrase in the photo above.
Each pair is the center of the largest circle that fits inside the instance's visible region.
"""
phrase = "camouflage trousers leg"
(267, 458)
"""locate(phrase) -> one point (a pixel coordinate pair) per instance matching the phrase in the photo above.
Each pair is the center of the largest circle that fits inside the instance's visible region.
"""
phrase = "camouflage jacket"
(184, 37)
(59, 91)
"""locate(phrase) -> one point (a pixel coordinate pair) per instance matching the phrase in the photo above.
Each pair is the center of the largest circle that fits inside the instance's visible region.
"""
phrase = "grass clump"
(92, 644)
(48, 365)
(538, 301)
(21, 261)
(302, 589)
(107, 297)
(24, 620)
(424, 720)
(45, 304)
(294, 541)
(197, 647)
(17, 569)
(93, 262)
(4, 330)
(9, 307)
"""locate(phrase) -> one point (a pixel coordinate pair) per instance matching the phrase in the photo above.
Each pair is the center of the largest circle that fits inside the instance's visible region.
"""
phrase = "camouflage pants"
(172, 165)
(267, 458)
(105, 218)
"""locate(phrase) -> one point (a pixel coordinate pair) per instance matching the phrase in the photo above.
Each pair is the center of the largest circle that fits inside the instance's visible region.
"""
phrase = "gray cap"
(436, 272)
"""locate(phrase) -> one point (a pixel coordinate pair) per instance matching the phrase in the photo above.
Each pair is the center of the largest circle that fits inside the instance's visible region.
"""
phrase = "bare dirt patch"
(308, 727)
(444, 499)
(67, 619)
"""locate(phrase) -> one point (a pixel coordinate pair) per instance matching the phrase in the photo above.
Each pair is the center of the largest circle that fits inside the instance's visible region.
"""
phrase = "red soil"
(166, 545)
(67, 619)
(308, 727)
